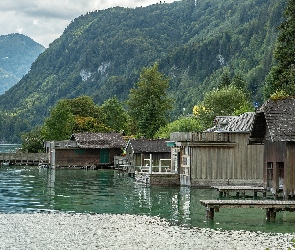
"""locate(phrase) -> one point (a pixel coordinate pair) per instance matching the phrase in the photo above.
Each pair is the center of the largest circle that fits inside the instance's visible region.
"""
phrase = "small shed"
(274, 127)
(86, 149)
(139, 151)
(220, 155)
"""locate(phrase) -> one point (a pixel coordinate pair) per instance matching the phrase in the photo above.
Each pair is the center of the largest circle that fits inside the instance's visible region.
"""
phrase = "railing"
(20, 158)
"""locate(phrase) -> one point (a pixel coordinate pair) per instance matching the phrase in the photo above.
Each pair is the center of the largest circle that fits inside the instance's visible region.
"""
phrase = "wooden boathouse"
(86, 150)
(219, 156)
(274, 127)
(146, 152)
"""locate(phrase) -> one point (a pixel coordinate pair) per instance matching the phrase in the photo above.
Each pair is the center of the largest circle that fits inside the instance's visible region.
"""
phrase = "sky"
(45, 20)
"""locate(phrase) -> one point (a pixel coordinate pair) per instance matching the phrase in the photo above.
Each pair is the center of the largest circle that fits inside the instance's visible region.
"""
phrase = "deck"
(271, 206)
(225, 190)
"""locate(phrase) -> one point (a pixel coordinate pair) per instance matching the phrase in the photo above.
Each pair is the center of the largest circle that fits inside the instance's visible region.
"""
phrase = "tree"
(228, 100)
(183, 124)
(282, 75)
(33, 141)
(59, 126)
(148, 102)
(80, 114)
(116, 115)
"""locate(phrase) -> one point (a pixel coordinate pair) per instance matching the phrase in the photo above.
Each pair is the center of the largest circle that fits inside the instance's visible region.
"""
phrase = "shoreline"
(108, 231)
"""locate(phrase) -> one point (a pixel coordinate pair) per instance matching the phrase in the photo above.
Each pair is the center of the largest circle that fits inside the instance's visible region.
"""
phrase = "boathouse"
(85, 150)
(274, 127)
(220, 155)
(140, 152)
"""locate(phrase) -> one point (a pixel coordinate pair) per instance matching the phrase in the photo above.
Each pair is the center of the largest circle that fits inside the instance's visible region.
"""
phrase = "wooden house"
(140, 152)
(86, 149)
(220, 155)
(274, 126)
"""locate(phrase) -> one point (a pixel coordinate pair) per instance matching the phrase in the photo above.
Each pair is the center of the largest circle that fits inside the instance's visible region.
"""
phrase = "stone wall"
(164, 179)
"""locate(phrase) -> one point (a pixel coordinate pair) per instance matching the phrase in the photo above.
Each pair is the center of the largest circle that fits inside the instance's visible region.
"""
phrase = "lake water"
(6, 148)
(28, 189)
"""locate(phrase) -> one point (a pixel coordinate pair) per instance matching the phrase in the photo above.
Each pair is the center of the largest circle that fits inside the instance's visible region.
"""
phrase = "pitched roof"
(239, 124)
(280, 119)
(99, 140)
(149, 146)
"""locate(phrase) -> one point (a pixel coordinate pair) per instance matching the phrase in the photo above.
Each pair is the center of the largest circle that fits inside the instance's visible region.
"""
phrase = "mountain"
(101, 53)
(17, 53)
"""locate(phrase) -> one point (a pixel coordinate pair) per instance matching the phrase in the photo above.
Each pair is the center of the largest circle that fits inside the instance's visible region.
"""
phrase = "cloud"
(45, 20)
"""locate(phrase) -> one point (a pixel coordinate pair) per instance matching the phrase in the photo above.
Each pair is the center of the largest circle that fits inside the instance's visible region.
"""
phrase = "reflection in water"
(29, 189)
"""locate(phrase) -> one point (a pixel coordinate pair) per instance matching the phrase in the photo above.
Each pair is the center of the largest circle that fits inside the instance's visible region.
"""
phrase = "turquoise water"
(6, 148)
(28, 189)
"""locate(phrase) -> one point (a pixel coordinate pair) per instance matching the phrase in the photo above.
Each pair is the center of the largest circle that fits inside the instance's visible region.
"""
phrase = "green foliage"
(88, 124)
(278, 95)
(148, 102)
(32, 142)
(100, 54)
(116, 116)
(282, 74)
(80, 114)
(59, 126)
(228, 100)
(183, 124)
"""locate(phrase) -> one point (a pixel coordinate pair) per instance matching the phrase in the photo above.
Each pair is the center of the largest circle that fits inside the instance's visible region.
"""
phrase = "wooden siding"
(82, 157)
(235, 164)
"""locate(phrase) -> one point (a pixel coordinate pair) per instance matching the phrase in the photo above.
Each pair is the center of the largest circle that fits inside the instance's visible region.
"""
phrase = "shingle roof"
(149, 146)
(99, 140)
(240, 123)
(280, 119)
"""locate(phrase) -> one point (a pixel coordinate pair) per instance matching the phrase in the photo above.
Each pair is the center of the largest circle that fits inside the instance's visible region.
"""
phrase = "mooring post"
(270, 214)
(210, 213)
(255, 194)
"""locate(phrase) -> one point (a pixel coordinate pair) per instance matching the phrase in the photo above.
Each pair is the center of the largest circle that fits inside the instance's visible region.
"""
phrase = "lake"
(29, 189)
(6, 148)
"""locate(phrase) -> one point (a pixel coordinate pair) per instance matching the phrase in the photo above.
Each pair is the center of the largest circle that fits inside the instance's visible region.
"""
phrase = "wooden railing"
(23, 158)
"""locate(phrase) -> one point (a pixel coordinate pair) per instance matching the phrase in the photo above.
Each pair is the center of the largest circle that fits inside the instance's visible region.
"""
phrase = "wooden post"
(238, 195)
(210, 213)
(255, 194)
(270, 214)
(220, 194)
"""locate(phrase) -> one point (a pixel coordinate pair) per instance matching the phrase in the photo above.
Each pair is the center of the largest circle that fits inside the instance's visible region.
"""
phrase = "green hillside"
(101, 53)
(17, 52)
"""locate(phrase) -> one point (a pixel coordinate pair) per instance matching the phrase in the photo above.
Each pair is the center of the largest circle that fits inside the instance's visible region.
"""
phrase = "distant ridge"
(17, 53)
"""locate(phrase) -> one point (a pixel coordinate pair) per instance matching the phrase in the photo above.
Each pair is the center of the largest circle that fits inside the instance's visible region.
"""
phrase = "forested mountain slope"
(17, 53)
(101, 53)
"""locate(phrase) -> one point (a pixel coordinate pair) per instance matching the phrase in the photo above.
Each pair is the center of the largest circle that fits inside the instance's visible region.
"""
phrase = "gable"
(277, 117)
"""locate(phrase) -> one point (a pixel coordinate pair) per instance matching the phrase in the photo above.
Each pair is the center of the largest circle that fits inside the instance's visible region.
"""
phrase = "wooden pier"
(225, 190)
(271, 206)
(23, 158)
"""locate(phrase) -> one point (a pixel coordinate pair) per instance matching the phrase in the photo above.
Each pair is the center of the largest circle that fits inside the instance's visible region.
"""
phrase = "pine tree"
(282, 75)
(148, 102)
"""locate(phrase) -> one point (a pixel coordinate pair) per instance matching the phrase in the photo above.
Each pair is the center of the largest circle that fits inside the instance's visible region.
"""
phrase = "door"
(269, 174)
(104, 155)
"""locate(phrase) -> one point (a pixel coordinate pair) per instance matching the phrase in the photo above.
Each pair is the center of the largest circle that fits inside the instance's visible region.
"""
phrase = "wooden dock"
(225, 190)
(23, 158)
(271, 206)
